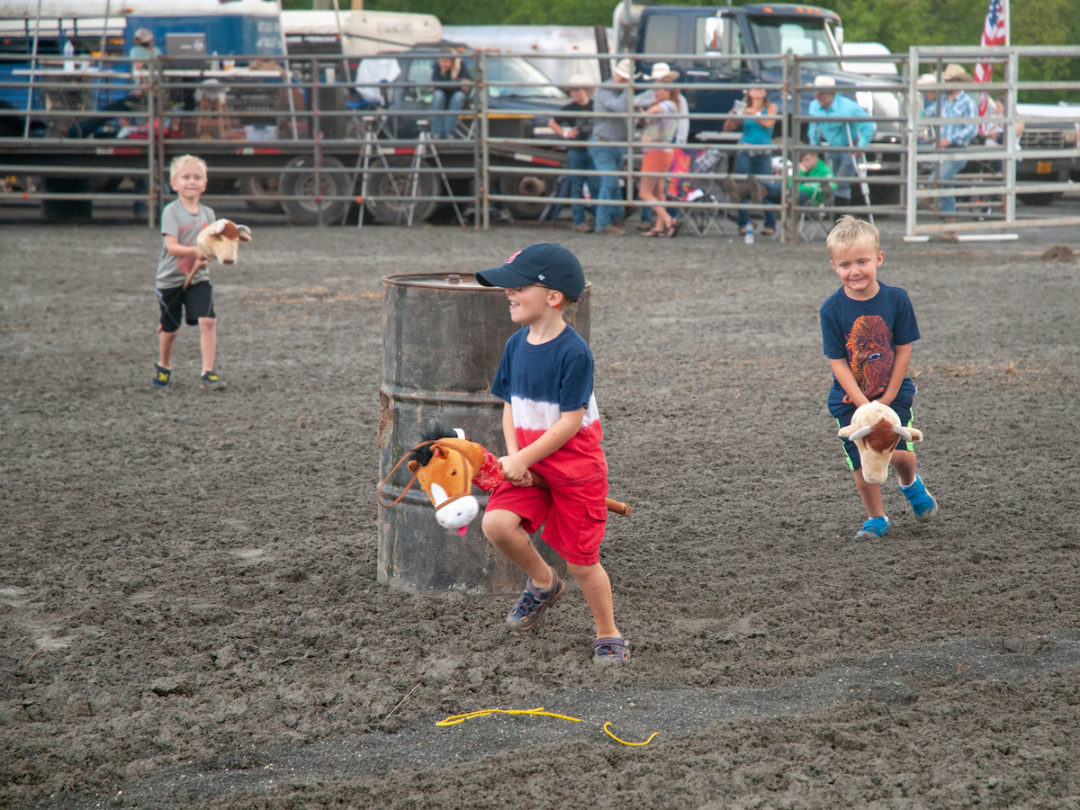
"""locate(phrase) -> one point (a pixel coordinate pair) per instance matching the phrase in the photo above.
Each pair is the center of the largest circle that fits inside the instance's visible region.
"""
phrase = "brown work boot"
(946, 236)
(730, 188)
(757, 191)
(612, 230)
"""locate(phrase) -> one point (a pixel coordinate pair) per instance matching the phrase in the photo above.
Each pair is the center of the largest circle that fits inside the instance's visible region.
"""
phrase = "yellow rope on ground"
(624, 742)
(454, 719)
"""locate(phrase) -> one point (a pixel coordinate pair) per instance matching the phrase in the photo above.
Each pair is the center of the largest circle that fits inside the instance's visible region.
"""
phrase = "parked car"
(412, 89)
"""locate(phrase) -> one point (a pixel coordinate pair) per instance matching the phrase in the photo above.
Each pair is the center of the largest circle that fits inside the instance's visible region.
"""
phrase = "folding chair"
(688, 188)
(817, 220)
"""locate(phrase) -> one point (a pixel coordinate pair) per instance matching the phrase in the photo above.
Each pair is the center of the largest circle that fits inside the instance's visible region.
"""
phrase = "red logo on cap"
(513, 256)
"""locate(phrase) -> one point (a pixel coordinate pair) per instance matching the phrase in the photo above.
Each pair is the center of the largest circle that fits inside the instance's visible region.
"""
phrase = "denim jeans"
(843, 165)
(756, 163)
(442, 126)
(607, 159)
(944, 173)
(579, 160)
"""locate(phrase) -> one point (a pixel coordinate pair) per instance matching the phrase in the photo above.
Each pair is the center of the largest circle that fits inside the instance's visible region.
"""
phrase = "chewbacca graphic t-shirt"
(866, 334)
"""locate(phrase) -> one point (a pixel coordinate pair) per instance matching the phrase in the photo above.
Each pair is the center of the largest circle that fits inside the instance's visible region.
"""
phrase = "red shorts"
(657, 160)
(574, 516)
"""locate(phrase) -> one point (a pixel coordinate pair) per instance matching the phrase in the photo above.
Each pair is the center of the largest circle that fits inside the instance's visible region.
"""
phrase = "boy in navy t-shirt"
(551, 424)
(867, 329)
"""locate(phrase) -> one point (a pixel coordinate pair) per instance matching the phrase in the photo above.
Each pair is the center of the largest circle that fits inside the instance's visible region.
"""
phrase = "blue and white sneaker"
(874, 528)
(922, 502)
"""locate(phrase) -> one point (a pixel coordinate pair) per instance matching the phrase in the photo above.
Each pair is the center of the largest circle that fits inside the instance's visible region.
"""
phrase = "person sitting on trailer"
(452, 83)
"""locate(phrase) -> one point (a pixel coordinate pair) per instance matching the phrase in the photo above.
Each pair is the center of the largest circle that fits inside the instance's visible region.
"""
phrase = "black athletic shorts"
(197, 301)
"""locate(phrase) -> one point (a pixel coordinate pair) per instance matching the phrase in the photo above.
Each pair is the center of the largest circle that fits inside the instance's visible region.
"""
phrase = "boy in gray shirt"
(181, 222)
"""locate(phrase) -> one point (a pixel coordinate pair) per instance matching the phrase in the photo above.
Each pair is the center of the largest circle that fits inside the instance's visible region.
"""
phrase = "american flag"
(994, 34)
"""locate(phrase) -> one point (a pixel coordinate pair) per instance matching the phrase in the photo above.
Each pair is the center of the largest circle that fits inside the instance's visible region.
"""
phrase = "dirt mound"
(188, 597)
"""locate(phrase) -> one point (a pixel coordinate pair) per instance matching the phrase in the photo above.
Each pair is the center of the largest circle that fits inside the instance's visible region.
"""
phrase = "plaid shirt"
(957, 134)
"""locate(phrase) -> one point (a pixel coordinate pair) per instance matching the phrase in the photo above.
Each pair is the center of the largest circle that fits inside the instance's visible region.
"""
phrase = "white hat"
(624, 68)
(659, 71)
(144, 36)
(824, 81)
(579, 80)
(926, 78)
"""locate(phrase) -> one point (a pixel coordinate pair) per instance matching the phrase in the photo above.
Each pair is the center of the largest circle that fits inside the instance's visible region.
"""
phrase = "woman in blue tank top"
(757, 117)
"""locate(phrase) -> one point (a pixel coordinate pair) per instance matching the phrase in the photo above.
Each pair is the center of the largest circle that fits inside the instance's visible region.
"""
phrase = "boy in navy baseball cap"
(551, 424)
(544, 263)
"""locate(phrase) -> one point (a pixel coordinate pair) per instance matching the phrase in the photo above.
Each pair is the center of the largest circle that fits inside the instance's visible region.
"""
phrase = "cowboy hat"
(660, 73)
(824, 82)
(955, 73)
(625, 69)
(144, 36)
(579, 80)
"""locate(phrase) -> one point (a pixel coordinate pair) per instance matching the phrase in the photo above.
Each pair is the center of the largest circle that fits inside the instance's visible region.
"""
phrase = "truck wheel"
(398, 182)
(300, 182)
(524, 185)
(257, 186)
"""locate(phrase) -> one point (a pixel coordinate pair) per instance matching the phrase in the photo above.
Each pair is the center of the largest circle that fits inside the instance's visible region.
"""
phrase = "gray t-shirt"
(185, 226)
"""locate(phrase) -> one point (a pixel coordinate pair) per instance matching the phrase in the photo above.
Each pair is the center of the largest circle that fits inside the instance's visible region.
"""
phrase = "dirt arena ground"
(188, 603)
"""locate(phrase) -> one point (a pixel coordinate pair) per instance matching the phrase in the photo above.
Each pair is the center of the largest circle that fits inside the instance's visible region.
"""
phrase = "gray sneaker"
(533, 602)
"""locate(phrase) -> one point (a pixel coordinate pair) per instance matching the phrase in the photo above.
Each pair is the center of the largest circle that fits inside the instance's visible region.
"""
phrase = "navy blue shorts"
(906, 414)
(197, 301)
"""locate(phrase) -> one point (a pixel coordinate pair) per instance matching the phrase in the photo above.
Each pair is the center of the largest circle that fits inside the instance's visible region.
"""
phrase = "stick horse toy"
(448, 465)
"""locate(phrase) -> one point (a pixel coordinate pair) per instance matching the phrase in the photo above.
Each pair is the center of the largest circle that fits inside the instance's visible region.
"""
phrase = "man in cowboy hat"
(952, 103)
(827, 104)
(607, 145)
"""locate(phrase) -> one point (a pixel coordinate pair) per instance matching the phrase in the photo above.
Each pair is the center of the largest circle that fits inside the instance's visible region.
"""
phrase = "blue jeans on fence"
(843, 165)
(943, 174)
(579, 160)
(607, 159)
(754, 163)
(442, 126)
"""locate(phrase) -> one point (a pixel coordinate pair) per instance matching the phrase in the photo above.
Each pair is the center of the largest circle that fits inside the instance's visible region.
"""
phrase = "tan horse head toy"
(448, 465)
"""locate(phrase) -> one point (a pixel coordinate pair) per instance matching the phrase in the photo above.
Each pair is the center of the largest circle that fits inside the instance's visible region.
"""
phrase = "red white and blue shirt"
(543, 381)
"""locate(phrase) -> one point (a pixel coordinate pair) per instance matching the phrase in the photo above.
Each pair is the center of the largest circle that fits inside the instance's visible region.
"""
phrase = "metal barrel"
(443, 336)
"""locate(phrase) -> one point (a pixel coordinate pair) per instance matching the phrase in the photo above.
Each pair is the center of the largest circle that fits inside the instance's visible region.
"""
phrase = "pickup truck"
(733, 44)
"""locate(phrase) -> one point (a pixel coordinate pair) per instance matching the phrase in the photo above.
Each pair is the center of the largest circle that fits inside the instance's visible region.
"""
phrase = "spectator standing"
(644, 100)
(143, 51)
(758, 118)
(828, 105)
(607, 144)
(574, 123)
(660, 131)
(952, 103)
(452, 83)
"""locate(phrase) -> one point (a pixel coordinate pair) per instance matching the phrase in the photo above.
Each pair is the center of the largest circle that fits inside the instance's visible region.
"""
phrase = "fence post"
(787, 152)
(482, 187)
(1012, 143)
(912, 142)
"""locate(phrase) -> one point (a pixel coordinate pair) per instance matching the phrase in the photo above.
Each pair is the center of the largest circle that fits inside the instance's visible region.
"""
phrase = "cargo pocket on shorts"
(597, 512)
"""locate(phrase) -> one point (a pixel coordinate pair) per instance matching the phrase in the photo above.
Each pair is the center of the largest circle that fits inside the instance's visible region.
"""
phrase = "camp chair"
(685, 185)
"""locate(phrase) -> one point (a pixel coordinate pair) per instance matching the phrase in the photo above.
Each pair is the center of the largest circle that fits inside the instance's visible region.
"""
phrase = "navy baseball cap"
(544, 263)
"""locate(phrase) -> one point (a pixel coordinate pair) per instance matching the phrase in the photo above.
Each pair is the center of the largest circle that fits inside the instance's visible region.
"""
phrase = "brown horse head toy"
(448, 465)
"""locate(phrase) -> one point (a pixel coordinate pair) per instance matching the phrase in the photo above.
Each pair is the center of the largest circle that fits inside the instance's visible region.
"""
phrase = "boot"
(757, 191)
(731, 189)
(946, 236)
